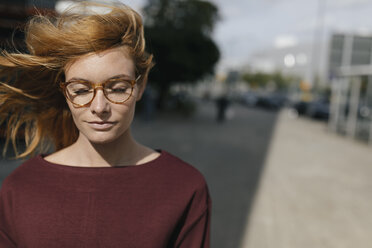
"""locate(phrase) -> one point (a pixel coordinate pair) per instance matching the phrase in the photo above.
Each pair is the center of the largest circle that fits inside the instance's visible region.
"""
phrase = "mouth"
(101, 125)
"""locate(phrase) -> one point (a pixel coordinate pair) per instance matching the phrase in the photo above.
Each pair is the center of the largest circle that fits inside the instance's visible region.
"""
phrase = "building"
(350, 73)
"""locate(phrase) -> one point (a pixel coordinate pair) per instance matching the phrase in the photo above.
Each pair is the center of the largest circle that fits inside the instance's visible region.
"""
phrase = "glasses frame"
(63, 86)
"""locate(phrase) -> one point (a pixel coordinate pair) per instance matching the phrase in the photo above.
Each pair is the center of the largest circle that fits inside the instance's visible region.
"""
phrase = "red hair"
(30, 97)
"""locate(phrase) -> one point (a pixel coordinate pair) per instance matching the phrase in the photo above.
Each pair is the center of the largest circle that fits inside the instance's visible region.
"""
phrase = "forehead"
(102, 65)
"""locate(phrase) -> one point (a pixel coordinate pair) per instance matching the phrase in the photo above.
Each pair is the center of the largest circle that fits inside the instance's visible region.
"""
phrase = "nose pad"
(99, 104)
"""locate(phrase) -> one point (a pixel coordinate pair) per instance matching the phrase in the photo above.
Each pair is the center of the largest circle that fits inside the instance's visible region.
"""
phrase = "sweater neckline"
(151, 163)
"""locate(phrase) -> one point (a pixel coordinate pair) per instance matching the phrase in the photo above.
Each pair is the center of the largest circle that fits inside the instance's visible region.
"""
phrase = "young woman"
(77, 87)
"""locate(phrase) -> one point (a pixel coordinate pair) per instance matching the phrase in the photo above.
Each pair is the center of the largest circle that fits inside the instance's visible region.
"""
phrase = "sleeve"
(6, 234)
(196, 229)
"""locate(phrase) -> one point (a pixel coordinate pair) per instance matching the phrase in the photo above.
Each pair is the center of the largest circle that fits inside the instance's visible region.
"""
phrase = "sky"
(248, 27)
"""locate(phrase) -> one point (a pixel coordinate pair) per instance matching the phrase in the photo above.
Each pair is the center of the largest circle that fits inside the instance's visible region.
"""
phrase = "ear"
(141, 89)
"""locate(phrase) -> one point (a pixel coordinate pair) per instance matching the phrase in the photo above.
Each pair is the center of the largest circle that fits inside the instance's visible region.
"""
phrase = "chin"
(101, 141)
(103, 138)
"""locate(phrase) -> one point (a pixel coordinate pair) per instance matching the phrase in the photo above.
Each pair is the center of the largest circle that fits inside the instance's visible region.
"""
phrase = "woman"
(77, 87)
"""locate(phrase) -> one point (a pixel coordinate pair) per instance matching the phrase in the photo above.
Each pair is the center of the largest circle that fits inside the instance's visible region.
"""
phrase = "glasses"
(82, 92)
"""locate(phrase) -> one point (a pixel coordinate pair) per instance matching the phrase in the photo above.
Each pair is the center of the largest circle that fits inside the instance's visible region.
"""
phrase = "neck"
(122, 151)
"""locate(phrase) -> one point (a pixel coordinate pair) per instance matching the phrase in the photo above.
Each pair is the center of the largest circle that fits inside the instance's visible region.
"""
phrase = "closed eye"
(81, 91)
(119, 90)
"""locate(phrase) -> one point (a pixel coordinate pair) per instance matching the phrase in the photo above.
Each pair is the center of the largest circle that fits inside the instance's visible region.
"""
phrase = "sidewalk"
(315, 190)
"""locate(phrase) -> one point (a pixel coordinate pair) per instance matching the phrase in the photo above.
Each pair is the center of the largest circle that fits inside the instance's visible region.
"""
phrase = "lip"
(101, 125)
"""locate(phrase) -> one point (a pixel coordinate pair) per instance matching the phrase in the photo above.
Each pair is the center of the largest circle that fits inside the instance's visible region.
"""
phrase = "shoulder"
(184, 180)
(22, 174)
(178, 169)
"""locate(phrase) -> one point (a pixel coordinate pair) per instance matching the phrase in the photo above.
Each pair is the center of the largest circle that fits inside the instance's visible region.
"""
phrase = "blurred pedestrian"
(222, 104)
(78, 87)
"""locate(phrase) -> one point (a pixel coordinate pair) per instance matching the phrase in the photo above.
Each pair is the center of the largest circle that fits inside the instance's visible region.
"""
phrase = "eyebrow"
(110, 78)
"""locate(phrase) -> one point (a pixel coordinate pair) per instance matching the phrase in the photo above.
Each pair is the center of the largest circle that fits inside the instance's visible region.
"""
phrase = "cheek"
(125, 113)
(74, 112)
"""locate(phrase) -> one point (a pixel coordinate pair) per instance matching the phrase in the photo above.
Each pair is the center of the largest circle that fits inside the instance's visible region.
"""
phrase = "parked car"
(249, 99)
(272, 101)
(318, 109)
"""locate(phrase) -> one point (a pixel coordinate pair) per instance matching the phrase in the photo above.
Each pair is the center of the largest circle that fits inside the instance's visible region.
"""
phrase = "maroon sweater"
(162, 203)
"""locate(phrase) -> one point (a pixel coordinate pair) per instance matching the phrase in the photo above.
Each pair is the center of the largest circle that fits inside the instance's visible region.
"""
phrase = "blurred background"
(270, 100)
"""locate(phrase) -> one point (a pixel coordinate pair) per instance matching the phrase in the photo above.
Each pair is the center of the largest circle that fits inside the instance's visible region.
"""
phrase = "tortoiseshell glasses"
(82, 92)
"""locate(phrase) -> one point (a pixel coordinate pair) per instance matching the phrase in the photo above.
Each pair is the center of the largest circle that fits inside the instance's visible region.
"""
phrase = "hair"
(31, 103)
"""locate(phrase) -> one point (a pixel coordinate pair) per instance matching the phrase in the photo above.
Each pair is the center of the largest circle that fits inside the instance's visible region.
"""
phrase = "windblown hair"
(31, 104)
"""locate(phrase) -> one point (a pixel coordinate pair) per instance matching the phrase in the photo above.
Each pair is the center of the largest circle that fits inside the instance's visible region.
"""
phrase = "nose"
(100, 104)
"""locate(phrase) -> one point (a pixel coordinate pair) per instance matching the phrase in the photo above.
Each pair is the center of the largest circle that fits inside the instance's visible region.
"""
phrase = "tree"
(262, 79)
(178, 34)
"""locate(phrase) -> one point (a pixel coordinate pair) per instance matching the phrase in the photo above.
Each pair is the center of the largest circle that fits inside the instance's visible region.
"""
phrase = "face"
(103, 121)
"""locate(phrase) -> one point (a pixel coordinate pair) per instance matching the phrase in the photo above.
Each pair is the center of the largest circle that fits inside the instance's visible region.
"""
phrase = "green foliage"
(192, 15)
(178, 34)
(262, 79)
(257, 80)
(181, 57)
